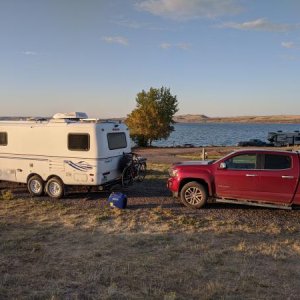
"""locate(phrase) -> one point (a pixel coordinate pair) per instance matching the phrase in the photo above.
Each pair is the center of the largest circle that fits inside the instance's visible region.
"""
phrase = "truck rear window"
(277, 162)
(3, 138)
(79, 142)
(116, 140)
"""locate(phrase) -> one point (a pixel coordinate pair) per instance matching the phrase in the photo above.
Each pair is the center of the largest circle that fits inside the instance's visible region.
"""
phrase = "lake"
(220, 134)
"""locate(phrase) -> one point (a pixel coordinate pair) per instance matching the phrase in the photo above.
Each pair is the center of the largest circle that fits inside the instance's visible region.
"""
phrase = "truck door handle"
(251, 175)
(287, 177)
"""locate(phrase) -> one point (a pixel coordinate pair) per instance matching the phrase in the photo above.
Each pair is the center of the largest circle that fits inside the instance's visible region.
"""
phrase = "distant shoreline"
(193, 119)
(275, 119)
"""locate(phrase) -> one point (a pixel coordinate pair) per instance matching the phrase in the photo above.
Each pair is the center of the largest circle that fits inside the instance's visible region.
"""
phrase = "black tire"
(55, 188)
(35, 185)
(142, 170)
(127, 176)
(193, 195)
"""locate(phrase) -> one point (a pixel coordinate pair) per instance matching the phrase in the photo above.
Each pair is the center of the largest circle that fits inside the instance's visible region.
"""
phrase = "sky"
(219, 57)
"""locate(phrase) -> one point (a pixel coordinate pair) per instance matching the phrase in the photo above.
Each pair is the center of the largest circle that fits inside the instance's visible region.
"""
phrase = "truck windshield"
(116, 140)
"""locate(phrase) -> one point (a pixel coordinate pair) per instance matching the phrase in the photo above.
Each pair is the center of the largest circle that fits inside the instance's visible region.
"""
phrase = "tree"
(152, 119)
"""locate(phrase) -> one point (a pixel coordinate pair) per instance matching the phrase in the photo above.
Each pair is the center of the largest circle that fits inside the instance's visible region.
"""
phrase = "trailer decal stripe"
(80, 166)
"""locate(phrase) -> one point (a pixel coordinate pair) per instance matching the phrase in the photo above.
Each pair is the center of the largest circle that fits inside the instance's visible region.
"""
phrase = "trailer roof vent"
(71, 116)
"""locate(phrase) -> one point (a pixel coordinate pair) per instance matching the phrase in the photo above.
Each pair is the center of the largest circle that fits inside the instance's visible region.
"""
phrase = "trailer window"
(3, 138)
(277, 162)
(116, 140)
(79, 142)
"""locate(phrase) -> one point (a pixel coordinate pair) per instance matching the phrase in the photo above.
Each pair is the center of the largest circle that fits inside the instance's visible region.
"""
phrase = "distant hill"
(242, 119)
(190, 118)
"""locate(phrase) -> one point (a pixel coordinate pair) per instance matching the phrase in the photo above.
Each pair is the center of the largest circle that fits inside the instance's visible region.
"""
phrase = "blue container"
(118, 200)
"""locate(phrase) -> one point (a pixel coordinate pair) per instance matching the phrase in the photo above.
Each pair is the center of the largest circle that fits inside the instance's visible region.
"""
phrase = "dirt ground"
(80, 248)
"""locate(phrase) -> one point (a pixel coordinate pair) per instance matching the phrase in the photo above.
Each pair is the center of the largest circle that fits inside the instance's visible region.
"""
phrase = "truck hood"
(195, 163)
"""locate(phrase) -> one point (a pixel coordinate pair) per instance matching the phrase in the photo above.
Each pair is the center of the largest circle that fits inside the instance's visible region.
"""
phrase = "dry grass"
(6, 195)
(156, 249)
(78, 250)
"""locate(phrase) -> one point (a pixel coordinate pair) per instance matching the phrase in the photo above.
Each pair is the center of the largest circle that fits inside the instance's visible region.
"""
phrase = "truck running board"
(268, 205)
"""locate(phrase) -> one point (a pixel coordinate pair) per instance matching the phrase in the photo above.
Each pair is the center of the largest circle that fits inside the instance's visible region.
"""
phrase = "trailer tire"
(55, 188)
(35, 185)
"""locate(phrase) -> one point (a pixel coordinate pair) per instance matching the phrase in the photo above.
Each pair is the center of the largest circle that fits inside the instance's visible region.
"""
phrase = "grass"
(6, 195)
(198, 156)
(156, 249)
(77, 250)
(157, 171)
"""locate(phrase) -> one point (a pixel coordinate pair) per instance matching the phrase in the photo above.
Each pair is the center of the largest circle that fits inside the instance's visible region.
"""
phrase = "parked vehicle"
(254, 177)
(68, 149)
(252, 142)
(279, 138)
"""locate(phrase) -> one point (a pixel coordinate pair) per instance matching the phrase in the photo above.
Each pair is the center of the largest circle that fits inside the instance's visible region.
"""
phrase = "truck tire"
(55, 188)
(35, 185)
(193, 195)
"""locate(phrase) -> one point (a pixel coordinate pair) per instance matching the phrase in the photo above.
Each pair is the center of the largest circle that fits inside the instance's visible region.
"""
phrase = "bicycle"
(135, 169)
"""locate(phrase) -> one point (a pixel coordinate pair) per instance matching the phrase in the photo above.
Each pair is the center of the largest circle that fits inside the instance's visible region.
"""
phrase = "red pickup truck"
(254, 177)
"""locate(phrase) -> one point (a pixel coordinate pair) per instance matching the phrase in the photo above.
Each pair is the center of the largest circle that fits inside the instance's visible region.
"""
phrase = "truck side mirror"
(223, 166)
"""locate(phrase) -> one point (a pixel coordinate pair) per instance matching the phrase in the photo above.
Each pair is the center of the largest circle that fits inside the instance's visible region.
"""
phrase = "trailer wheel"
(35, 185)
(55, 188)
(193, 195)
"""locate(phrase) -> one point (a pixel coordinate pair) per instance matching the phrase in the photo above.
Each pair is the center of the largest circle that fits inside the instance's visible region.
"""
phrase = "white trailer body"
(77, 151)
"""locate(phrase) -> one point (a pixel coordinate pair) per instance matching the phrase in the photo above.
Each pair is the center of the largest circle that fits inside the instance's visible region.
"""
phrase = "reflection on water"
(221, 134)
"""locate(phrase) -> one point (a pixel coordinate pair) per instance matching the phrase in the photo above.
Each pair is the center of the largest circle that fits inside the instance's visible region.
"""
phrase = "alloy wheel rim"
(193, 195)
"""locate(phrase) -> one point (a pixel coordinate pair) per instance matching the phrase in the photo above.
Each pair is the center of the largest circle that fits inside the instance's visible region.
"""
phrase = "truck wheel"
(55, 188)
(193, 195)
(35, 185)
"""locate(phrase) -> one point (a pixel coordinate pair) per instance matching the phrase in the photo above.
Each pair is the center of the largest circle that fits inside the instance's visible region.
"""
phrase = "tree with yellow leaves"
(152, 119)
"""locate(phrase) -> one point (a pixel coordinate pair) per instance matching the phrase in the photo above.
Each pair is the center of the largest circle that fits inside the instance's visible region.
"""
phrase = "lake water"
(220, 134)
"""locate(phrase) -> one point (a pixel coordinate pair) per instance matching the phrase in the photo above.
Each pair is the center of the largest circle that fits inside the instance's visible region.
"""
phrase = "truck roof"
(265, 150)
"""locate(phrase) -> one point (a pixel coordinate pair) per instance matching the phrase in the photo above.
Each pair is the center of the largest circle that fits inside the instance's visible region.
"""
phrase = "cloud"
(116, 40)
(32, 53)
(165, 45)
(128, 23)
(182, 46)
(259, 25)
(139, 25)
(288, 45)
(290, 57)
(189, 9)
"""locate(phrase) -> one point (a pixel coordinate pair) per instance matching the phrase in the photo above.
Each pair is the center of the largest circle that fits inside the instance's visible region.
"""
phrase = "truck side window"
(277, 162)
(79, 142)
(3, 138)
(242, 162)
(116, 140)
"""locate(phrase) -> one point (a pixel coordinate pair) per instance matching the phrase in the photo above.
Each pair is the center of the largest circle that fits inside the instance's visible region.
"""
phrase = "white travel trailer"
(68, 149)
